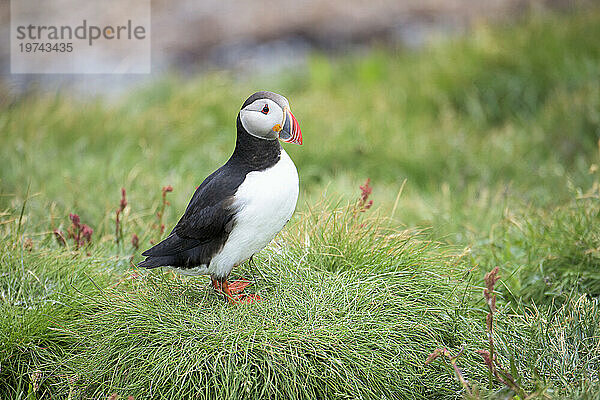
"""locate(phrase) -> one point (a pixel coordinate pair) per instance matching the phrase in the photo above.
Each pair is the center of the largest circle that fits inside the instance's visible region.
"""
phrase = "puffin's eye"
(265, 109)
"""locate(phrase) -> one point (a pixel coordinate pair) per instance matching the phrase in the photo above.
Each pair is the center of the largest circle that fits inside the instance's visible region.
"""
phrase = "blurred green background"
(504, 118)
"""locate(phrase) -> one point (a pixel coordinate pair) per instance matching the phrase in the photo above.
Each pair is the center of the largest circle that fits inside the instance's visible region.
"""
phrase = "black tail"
(155, 262)
(172, 251)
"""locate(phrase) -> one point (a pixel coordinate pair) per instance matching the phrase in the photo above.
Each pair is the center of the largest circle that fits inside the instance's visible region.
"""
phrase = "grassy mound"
(319, 332)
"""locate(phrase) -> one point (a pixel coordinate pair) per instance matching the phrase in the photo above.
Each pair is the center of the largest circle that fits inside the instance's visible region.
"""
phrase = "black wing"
(203, 228)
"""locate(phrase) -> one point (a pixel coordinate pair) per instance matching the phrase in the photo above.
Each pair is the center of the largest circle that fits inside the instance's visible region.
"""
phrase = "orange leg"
(228, 294)
(224, 287)
(232, 290)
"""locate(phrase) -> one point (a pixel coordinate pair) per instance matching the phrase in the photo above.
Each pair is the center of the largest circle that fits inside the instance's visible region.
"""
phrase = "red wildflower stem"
(80, 233)
(366, 190)
(118, 225)
(499, 373)
(123, 202)
(160, 213)
(86, 233)
(459, 374)
(489, 356)
(490, 297)
(363, 203)
(443, 352)
(76, 229)
(135, 241)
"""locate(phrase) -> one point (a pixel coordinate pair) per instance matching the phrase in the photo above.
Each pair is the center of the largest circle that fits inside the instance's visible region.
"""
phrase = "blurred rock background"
(250, 36)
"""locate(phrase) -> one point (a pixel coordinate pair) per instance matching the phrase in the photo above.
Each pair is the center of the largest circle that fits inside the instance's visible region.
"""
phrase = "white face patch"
(260, 116)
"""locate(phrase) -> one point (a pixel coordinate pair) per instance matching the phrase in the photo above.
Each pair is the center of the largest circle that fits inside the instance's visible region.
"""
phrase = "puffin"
(243, 205)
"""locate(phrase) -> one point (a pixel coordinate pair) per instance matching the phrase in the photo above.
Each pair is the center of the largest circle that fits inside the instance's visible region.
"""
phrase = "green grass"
(317, 334)
(482, 151)
(552, 253)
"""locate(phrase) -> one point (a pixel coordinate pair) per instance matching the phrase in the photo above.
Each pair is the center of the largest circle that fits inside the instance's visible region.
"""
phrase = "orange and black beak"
(290, 133)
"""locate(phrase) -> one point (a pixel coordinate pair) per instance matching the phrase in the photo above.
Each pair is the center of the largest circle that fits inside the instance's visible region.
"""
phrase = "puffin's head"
(267, 115)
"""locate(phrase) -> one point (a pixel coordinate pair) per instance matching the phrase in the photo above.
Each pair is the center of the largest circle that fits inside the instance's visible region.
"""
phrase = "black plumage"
(209, 218)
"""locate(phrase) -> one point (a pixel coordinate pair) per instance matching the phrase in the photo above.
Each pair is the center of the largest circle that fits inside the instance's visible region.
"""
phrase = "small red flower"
(86, 233)
(75, 220)
(80, 233)
(123, 202)
(366, 190)
(364, 203)
(135, 241)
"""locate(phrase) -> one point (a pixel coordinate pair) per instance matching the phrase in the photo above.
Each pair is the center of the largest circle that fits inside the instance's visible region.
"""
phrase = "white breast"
(265, 202)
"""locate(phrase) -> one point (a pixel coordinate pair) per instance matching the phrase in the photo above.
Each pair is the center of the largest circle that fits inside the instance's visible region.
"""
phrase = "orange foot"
(232, 290)
(236, 287)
